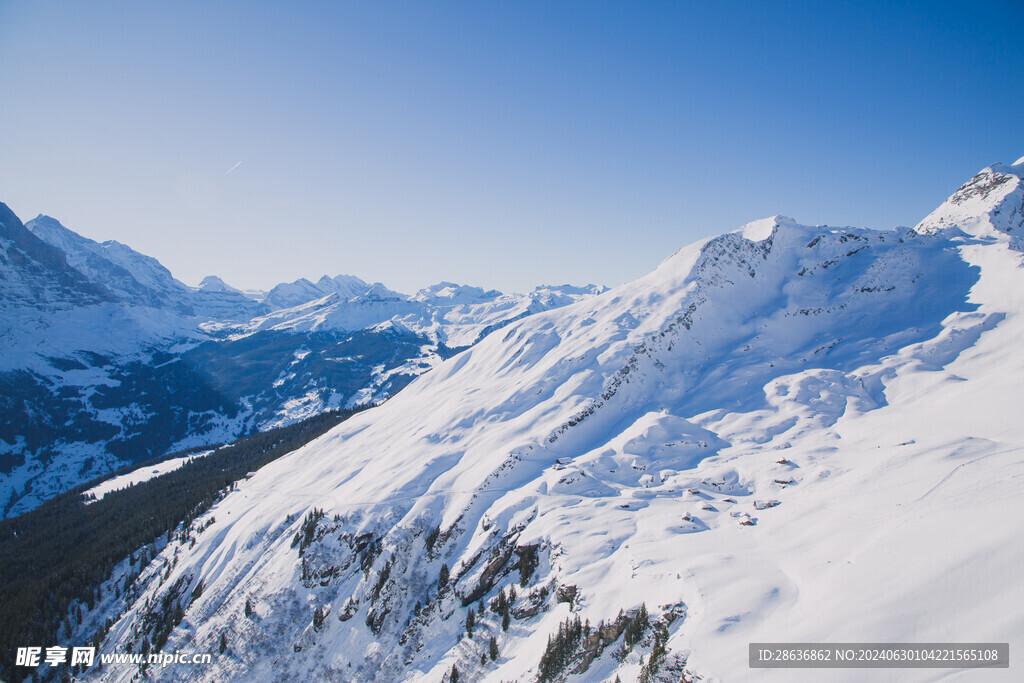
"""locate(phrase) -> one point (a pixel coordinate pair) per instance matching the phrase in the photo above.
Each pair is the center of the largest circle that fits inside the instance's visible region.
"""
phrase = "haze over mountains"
(784, 433)
(107, 359)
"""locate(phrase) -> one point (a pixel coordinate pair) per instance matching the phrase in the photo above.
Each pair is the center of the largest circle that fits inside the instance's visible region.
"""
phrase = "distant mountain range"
(107, 359)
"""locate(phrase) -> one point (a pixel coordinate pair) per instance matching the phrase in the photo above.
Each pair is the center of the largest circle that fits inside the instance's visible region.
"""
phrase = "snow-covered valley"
(107, 360)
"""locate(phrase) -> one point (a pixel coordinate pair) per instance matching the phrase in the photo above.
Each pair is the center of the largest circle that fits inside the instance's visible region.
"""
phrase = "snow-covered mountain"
(140, 280)
(785, 433)
(448, 314)
(107, 359)
(287, 295)
(36, 274)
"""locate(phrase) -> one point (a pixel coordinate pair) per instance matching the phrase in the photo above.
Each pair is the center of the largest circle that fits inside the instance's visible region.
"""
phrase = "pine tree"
(71, 548)
(527, 563)
(248, 607)
(432, 537)
(502, 606)
(494, 648)
(442, 580)
(561, 649)
(318, 619)
(650, 669)
(454, 676)
(385, 573)
(637, 627)
(223, 643)
(470, 622)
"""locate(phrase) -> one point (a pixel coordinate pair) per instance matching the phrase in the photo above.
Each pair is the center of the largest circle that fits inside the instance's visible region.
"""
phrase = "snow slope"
(785, 433)
(140, 475)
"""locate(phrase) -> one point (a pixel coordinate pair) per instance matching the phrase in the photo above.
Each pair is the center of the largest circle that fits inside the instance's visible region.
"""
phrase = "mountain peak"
(212, 283)
(301, 291)
(762, 229)
(988, 206)
(49, 229)
(37, 273)
(452, 293)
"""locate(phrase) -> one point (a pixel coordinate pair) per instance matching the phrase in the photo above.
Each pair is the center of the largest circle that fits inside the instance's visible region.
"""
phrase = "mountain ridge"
(774, 435)
(107, 359)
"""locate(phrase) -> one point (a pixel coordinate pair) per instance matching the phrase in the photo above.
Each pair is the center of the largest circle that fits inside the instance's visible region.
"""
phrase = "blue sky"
(498, 144)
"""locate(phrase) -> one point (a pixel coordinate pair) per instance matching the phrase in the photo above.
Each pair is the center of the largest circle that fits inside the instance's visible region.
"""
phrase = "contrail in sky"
(234, 167)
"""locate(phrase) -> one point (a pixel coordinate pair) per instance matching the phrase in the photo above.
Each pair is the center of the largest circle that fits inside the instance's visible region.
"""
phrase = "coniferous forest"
(65, 549)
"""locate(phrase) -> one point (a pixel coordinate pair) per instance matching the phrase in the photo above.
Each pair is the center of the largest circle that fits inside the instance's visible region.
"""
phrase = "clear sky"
(500, 144)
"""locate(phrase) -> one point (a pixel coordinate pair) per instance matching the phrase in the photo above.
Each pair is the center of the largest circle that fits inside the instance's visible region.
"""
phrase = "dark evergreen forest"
(64, 550)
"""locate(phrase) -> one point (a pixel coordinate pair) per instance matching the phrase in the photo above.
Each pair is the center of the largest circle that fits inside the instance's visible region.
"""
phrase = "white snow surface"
(140, 475)
(783, 434)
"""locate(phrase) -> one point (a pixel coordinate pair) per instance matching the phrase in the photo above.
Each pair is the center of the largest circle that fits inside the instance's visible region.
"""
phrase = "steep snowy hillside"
(106, 359)
(786, 433)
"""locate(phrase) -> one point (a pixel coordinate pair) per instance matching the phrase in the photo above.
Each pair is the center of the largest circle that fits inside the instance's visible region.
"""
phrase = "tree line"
(64, 550)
